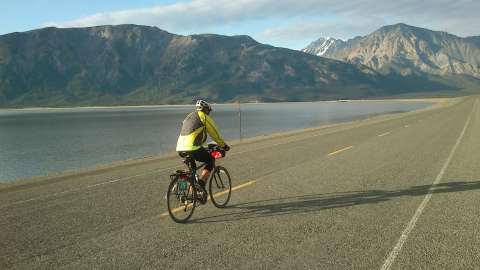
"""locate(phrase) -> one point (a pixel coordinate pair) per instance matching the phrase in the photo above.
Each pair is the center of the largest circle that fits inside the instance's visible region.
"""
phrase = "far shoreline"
(433, 100)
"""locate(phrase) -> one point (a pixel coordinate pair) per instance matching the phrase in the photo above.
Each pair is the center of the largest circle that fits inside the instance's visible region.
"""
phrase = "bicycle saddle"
(184, 154)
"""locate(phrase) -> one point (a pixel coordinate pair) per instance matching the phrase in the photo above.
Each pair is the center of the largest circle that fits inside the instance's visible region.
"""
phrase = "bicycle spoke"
(180, 200)
(216, 180)
(220, 187)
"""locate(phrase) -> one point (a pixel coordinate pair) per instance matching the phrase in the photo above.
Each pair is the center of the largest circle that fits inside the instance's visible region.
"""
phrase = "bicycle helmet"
(202, 105)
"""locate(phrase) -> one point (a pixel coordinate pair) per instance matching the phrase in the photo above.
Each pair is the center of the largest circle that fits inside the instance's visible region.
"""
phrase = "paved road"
(394, 192)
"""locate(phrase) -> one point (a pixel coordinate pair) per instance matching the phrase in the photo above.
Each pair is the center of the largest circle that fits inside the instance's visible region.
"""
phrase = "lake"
(36, 142)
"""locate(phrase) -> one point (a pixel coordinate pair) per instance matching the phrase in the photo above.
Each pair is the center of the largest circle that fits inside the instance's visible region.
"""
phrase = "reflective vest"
(194, 132)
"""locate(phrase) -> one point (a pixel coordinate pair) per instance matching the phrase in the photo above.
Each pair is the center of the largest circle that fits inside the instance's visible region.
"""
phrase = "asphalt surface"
(399, 191)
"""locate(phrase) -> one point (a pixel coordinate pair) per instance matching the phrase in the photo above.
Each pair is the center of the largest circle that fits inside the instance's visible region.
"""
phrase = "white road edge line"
(384, 134)
(87, 187)
(132, 176)
(41, 197)
(403, 238)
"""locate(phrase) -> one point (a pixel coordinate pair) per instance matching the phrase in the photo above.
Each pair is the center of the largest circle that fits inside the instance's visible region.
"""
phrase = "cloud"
(317, 28)
(299, 19)
(194, 14)
(365, 16)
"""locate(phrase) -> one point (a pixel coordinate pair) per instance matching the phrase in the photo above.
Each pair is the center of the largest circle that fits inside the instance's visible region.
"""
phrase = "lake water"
(36, 142)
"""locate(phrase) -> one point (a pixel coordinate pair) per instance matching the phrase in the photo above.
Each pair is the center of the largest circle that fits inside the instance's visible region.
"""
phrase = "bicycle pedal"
(204, 198)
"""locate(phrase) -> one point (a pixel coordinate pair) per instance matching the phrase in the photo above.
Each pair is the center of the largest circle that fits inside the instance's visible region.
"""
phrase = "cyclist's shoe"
(204, 198)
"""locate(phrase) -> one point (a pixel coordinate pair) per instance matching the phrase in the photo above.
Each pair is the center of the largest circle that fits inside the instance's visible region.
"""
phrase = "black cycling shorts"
(202, 155)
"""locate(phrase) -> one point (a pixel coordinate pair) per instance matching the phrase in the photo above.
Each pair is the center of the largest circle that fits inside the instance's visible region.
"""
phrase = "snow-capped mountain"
(406, 49)
(323, 46)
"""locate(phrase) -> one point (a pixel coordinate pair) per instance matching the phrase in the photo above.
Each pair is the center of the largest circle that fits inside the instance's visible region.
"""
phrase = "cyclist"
(194, 134)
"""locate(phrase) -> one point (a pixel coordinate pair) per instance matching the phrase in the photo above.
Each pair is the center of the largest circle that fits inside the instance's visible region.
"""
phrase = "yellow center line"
(234, 188)
(181, 208)
(341, 150)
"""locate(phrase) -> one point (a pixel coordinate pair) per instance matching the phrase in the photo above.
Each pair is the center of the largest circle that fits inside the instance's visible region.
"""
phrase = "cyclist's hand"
(226, 147)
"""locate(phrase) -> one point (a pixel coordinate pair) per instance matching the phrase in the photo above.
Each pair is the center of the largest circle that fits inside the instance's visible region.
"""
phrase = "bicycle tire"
(182, 196)
(220, 185)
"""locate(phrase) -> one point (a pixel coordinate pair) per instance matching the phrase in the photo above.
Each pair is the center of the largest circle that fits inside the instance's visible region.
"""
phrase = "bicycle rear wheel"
(220, 187)
(181, 199)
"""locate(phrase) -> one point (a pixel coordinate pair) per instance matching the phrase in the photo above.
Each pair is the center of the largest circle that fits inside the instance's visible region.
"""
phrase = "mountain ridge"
(407, 50)
(132, 64)
(137, 65)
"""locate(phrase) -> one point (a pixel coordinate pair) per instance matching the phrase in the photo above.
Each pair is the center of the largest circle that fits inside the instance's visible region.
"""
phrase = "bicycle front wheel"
(181, 198)
(220, 187)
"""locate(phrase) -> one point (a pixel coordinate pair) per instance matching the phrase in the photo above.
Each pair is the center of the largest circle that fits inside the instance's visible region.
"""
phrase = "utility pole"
(239, 121)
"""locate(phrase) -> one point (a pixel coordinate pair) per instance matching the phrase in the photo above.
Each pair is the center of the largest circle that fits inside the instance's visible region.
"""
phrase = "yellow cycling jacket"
(194, 132)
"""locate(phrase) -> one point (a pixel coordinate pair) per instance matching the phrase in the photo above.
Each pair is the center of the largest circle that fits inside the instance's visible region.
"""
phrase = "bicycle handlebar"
(216, 151)
(215, 147)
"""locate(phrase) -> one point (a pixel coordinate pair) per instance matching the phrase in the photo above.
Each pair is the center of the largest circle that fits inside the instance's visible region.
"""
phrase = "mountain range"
(406, 50)
(133, 64)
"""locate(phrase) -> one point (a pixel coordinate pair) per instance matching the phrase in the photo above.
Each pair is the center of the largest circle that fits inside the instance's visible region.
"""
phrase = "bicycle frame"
(192, 177)
(192, 166)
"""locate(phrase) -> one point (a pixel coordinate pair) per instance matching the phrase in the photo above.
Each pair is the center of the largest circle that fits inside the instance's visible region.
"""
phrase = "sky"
(285, 23)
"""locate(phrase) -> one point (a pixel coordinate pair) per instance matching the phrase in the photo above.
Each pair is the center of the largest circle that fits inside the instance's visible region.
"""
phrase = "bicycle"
(184, 188)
